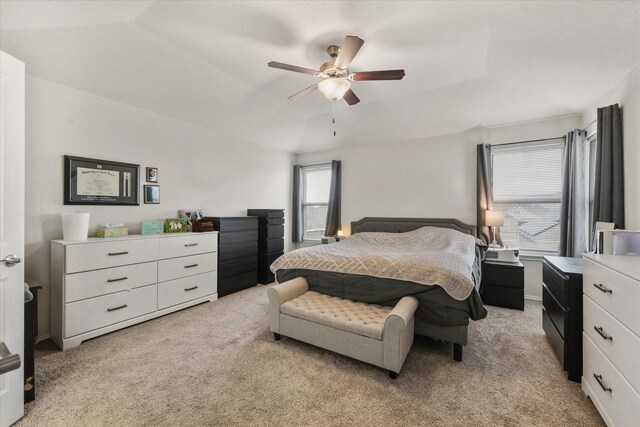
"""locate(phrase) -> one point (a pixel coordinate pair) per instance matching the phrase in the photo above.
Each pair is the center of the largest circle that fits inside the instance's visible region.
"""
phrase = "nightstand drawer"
(553, 336)
(501, 296)
(504, 275)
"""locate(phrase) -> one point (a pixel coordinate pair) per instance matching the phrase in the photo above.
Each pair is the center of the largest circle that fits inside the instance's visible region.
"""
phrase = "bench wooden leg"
(276, 336)
(457, 352)
(393, 375)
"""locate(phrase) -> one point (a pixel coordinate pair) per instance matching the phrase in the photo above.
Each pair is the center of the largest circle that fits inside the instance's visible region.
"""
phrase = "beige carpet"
(217, 364)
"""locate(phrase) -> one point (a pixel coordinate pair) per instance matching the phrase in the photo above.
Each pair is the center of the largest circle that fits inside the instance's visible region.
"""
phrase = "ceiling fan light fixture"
(334, 88)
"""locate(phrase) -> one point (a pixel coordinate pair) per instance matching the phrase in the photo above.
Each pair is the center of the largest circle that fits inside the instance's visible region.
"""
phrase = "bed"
(439, 315)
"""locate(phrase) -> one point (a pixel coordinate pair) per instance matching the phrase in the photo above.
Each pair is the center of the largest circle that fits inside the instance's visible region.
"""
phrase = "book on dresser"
(270, 240)
(611, 337)
(100, 285)
(237, 253)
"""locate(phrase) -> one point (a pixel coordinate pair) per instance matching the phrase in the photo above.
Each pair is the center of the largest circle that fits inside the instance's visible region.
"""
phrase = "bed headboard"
(400, 225)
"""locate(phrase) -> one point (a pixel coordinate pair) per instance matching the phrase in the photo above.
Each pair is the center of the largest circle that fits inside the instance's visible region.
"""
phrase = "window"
(316, 182)
(527, 186)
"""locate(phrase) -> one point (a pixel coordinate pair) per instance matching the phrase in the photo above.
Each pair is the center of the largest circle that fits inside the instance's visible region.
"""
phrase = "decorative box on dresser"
(611, 337)
(100, 285)
(562, 310)
(237, 253)
(270, 240)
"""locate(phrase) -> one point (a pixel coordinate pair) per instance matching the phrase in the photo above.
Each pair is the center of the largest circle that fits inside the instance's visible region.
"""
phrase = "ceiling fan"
(335, 74)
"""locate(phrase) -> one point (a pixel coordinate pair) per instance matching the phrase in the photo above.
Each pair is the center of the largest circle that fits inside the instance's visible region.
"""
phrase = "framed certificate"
(100, 182)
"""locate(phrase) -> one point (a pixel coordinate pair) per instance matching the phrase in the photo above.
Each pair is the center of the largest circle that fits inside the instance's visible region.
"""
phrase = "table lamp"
(494, 219)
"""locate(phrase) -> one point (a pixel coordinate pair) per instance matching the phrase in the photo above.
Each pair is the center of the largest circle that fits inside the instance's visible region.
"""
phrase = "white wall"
(627, 94)
(433, 177)
(197, 168)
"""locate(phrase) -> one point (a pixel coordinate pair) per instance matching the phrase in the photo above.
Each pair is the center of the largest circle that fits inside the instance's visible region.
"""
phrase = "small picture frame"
(152, 194)
(152, 174)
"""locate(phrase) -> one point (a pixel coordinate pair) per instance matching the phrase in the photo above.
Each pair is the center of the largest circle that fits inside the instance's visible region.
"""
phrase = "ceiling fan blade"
(379, 75)
(351, 97)
(303, 92)
(350, 47)
(295, 68)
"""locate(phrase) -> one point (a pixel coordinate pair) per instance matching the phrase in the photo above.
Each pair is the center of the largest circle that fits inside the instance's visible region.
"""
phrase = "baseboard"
(533, 298)
(42, 338)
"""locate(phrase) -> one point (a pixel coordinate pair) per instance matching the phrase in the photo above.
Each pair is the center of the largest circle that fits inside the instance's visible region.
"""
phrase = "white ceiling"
(467, 63)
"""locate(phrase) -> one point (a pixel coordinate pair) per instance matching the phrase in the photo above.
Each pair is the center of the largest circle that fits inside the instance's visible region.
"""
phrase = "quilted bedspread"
(428, 256)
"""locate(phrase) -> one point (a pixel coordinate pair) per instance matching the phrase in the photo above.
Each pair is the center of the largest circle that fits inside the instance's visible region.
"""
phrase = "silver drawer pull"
(603, 334)
(189, 245)
(190, 265)
(602, 288)
(119, 279)
(120, 307)
(191, 289)
(118, 253)
(604, 387)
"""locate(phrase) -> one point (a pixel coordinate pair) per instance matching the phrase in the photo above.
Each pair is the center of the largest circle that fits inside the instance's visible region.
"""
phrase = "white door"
(11, 239)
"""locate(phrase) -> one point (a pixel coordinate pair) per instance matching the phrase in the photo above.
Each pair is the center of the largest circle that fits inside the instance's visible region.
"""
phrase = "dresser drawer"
(271, 231)
(176, 268)
(620, 405)
(274, 245)
(94, 313)
(182, 290)
(238, 250)
(553, 336)
(190, 244)
(557, 284)
(614, 292)
(109, 280)
(623, 347)
(271, 221)
(237, 266)
(239, 236)
(556, 313)
(93, 256)
(226, 224)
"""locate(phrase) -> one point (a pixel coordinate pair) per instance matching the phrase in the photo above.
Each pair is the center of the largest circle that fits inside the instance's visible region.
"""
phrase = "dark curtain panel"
(608, 197)
(485, 199)
(296, 216)
(333, 211)
(575, 204)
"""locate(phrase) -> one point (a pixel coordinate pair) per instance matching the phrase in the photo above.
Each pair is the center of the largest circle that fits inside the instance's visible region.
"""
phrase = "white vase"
(75, 226)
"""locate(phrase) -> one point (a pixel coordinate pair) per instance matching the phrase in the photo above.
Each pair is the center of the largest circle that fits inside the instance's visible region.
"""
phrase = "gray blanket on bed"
(426, 256)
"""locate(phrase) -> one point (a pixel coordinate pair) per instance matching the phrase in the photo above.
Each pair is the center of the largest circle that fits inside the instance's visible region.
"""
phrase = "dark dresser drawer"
(229, 285)
(553, 336)
(271, 221)
(555, 311)
(556, 283)
(226, 224)
(238, 236)
(272, 232)
(237, 266)
(237, 250)
(274, 245)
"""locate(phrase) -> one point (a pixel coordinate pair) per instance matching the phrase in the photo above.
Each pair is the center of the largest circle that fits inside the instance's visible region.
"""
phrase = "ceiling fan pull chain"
(333, 107)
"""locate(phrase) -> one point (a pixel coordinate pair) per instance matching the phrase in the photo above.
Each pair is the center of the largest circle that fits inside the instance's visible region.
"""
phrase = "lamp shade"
(334, 88)
(494, 218)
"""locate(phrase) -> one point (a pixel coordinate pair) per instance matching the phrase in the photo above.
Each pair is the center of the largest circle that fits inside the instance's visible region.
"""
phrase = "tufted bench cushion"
(374, 334)
(338, 313)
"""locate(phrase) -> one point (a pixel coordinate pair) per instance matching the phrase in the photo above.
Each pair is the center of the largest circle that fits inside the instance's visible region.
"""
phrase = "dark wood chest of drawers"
(562, 310)
(237, 253)
(503, 284)
(270, 240)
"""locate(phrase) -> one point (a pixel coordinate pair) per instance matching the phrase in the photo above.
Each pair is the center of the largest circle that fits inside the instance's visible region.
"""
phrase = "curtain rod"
(592, 122)
(531, 140)
(317, 164)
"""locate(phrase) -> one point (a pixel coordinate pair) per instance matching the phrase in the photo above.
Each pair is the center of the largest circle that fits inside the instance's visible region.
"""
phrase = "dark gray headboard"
(400, 225)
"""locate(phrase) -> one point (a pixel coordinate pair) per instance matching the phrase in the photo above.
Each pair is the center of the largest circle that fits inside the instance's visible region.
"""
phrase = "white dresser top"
(129, 237)
(624, 264)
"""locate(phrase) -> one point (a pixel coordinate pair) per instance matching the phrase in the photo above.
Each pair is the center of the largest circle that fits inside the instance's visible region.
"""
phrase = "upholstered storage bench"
(381, 336)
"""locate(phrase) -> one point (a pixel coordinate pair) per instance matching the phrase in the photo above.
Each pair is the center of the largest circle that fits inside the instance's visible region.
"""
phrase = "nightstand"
(503, 284)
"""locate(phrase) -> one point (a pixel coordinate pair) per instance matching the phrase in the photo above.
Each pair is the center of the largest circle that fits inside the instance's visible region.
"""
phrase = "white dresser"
(101, 285)
(611, 337)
